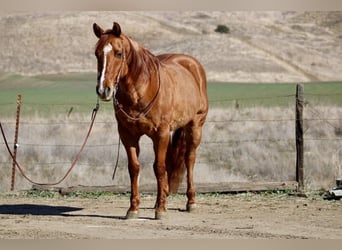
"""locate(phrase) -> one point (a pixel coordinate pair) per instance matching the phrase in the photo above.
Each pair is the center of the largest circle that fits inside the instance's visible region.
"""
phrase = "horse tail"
(175, 161)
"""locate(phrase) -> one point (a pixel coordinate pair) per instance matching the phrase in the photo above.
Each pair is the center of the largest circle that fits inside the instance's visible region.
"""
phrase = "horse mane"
(142, 63)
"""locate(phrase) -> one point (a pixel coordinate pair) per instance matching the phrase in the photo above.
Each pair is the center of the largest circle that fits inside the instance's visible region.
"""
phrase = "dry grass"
(250, 144)
(262, 46)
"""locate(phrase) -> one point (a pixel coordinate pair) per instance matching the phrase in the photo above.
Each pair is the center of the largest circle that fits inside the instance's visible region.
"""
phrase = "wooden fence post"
(15, 141)
(299, 136)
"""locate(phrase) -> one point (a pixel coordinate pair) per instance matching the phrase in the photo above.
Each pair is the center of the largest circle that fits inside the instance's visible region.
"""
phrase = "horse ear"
(116, 29)
(98, 31)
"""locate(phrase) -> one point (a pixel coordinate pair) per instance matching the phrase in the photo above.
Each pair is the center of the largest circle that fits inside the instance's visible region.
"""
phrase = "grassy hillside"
(261, 46)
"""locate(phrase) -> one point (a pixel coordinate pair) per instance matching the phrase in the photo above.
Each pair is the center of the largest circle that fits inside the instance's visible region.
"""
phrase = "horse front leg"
(133, 169)
(160, 144)
(132, 149)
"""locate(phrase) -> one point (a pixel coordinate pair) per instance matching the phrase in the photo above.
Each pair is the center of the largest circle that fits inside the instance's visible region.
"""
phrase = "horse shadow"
(48, 210)
(33, 209)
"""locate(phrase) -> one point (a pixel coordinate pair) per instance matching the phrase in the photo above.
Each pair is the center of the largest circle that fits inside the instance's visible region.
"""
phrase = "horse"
(161, 96)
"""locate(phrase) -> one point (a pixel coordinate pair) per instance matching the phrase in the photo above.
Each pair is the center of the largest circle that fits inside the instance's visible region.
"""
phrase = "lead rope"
(117, 79)
(118, 151)
(147, 109)
(93, 116)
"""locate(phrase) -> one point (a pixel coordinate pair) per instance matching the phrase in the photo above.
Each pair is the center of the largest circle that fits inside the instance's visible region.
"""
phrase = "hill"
(259, 47)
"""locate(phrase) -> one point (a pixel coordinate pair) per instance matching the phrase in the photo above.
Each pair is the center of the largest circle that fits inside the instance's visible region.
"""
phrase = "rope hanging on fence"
(93, 116)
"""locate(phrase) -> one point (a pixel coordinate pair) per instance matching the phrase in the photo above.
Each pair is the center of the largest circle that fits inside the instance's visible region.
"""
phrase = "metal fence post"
(15, 142)
(299, 136)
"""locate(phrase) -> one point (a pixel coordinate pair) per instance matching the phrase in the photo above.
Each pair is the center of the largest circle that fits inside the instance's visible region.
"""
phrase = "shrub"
(221, 28)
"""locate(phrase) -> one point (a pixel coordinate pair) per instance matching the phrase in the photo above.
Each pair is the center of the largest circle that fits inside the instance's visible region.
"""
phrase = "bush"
(222, 29)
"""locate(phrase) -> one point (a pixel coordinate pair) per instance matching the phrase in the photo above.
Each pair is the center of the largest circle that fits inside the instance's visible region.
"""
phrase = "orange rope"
(73, 163)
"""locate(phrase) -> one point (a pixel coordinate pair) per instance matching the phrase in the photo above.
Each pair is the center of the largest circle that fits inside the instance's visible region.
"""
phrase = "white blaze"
(106, 49)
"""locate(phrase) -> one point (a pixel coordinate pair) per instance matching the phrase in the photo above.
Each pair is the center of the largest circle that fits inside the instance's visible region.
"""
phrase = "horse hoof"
(191, 207)
(132, 215)
(161, 215)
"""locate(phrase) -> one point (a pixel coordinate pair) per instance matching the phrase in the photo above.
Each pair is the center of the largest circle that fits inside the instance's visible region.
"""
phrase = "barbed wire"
(317, 113)
(113, 122)
(203, 142)
(91, 103)
(210, 101)
(311, 109)
(145, 143)
(251, 98)
(315, 94)
(322, 139)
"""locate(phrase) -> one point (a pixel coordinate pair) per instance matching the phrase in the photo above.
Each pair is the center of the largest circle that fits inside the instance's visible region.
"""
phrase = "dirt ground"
(239, 216)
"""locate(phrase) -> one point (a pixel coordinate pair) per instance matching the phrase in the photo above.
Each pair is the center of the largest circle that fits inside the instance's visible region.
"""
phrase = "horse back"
(186, 80)
(185, 70)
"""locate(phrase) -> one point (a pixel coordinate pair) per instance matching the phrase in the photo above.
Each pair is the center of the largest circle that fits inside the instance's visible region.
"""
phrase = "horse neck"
(142, 79)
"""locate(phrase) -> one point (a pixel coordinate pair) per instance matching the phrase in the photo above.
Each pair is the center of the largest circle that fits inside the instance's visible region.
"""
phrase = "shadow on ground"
(46, 210)
(32, 209)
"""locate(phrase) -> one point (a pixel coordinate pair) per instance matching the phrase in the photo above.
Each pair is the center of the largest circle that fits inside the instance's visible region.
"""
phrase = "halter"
(119, 107)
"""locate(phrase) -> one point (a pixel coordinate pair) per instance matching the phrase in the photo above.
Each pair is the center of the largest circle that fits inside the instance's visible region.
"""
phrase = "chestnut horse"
(157, 96)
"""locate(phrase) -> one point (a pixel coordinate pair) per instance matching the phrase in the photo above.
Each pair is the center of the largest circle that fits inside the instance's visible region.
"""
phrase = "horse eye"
(118, 55)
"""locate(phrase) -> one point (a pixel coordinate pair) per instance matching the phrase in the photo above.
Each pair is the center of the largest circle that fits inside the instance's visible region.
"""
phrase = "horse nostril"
(97, 90)
(100, 91)
(107, 91)
(104, 93)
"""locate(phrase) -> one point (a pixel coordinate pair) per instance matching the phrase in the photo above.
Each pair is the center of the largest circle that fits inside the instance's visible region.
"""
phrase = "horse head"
(111, 60)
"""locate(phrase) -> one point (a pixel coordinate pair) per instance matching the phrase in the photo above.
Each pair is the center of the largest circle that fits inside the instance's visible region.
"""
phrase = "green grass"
(77, 91)
(53, 89)
(45, 93)
(277, 94)
(250, 94)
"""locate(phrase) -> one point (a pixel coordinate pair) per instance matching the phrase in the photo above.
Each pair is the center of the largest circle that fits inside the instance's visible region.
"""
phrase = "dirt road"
(241, 216)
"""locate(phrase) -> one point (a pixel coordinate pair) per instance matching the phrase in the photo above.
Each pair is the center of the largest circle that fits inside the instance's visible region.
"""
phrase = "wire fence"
(253, 143)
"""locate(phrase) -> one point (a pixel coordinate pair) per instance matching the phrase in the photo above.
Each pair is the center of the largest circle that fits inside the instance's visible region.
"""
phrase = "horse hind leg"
(193, 139)
(175, 160)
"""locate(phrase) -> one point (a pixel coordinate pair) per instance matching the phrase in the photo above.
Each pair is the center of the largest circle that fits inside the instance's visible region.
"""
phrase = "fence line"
(206, 142)
(207, 121)
(312, 94)
(251, 98)
(210, 101)
(202, 142)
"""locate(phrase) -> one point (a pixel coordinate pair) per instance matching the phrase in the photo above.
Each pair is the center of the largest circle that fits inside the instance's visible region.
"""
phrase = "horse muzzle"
(105, 94)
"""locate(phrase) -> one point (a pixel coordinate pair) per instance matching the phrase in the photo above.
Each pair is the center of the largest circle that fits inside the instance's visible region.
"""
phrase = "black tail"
(175, 160)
